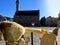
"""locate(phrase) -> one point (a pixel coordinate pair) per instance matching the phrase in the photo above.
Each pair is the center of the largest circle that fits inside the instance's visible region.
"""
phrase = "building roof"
(27, 12)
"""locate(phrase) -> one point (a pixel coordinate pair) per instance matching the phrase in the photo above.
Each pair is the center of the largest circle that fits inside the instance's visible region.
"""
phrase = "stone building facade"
(51, 21)
(26, 18)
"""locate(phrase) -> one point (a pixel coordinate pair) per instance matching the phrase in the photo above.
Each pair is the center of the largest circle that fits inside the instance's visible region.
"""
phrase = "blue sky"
(46, 7)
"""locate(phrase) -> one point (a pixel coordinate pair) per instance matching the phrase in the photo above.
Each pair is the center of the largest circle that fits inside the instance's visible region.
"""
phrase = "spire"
(17, 5)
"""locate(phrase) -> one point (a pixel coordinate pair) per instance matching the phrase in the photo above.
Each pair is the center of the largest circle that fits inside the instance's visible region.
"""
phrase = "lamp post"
(32, 34)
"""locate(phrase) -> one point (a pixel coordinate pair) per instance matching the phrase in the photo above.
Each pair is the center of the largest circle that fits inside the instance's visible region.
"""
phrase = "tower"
(17, 5)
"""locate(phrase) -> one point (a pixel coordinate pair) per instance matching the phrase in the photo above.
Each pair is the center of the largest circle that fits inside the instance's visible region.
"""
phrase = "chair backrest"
(55, 31)
(12, 31)
(48, 39)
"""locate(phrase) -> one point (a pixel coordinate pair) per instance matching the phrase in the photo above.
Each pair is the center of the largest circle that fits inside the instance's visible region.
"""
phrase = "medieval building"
(26, 17)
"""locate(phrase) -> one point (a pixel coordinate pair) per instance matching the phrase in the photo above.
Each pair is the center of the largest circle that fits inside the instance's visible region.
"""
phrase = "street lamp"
(32, 34)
